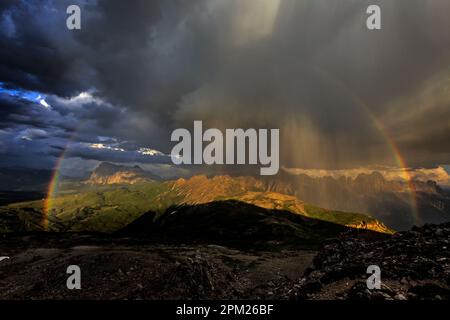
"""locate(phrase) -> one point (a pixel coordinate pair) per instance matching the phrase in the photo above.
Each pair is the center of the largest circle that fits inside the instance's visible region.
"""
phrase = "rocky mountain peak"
(110, 173)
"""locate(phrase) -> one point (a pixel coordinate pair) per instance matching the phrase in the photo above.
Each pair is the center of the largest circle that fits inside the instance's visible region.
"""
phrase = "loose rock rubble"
(198, 278)
(414, 265)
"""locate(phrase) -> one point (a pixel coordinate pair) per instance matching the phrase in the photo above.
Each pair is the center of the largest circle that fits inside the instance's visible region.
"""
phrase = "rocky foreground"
(131, 269)
(414, 265)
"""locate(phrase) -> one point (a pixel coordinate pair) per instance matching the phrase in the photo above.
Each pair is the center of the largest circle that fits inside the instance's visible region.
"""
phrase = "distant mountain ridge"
(110, 207)
(390, 201)
(108, 173)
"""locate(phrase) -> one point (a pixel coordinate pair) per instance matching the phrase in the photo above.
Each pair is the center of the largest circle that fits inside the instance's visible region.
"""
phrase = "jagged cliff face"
(123, 177)
(108, 173)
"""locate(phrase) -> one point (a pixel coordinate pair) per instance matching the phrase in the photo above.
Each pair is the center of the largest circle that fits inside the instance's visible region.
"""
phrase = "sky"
(342, 96)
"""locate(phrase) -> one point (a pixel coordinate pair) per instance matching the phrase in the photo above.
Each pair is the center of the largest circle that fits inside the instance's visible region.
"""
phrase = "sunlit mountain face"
(87, 117)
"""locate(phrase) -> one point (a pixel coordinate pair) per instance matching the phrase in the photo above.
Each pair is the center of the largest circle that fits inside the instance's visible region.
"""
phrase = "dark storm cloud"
(310, 68)
(40, 54)
(15, 111)
(36, 133)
